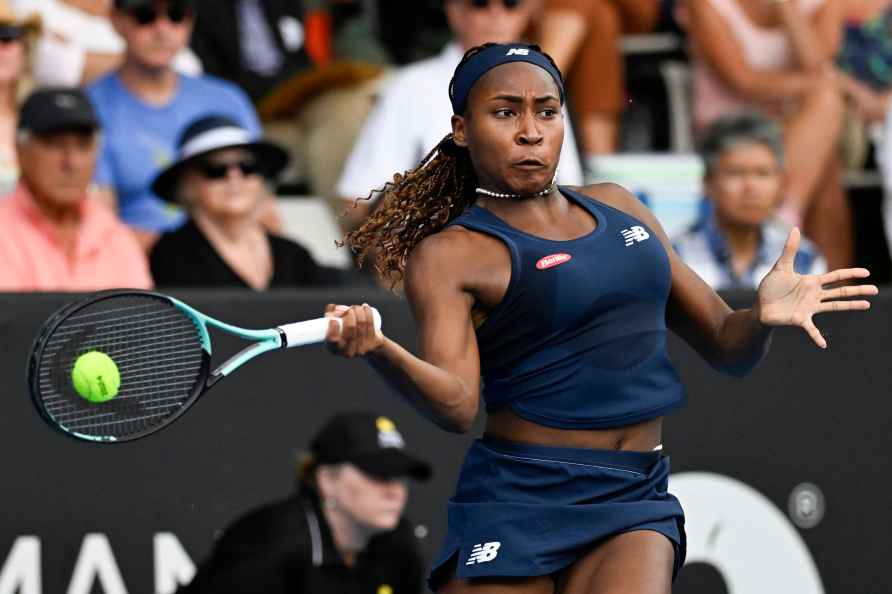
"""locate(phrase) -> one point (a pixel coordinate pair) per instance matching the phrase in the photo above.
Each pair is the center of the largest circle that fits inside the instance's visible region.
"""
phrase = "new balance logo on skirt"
(633, 234)
(482, 553)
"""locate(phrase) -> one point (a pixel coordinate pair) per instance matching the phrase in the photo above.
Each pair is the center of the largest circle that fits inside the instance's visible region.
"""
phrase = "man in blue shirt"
(737, 241)
(145, 105)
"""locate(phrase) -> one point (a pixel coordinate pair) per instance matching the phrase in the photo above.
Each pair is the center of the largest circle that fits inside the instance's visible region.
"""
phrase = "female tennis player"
(559, 300)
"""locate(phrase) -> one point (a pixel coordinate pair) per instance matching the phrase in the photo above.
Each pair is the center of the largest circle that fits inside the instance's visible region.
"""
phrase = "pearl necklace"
(539, 194)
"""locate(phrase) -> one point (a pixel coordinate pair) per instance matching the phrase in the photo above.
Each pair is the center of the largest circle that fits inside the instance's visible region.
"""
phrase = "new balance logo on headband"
(518, 51)
(482, 553)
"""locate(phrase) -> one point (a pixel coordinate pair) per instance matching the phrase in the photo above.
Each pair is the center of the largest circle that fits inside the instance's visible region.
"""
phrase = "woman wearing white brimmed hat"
(219, 178)
(16, 39)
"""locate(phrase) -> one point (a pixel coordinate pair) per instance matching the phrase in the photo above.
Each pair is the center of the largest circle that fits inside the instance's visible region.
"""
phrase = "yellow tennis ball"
(95, 377)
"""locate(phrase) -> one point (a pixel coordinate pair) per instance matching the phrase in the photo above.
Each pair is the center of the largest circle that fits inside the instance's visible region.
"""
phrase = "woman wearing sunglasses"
(78, 44)
(220, 177)
(16, 37)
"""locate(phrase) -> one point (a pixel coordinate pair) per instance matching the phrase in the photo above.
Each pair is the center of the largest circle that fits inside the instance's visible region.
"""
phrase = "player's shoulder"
(451, 243)
(451, 254)
(613, 195)
(619, 198)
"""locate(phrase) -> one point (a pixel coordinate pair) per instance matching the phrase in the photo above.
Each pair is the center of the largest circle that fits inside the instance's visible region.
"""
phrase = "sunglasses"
(508, 4)
(219, 170)
(11, 34)
(147, 14)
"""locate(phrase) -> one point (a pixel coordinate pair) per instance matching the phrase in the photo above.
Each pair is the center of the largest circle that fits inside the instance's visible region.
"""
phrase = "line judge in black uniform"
(342, 532)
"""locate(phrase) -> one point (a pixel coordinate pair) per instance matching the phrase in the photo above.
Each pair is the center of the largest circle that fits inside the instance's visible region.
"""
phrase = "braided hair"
(419, 202)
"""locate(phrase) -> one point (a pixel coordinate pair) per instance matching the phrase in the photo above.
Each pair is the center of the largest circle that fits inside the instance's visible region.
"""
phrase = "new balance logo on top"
(482, 553)
(518, 51)
(633, 234)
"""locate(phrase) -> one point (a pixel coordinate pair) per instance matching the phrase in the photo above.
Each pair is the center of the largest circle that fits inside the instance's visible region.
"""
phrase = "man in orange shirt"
(55, 236)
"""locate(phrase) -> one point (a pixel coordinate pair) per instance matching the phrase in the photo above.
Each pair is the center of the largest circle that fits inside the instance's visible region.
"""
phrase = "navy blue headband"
(468, 73)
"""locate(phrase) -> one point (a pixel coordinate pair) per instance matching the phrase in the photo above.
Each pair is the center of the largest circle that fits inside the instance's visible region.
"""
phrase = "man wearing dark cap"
(145, 105)
(56, 237)
(341, 532)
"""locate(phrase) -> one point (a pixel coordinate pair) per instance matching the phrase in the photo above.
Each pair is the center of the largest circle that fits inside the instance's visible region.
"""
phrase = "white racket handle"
(314, 331)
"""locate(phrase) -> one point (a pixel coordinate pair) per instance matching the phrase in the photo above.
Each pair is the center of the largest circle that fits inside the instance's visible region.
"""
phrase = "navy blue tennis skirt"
(530, 510)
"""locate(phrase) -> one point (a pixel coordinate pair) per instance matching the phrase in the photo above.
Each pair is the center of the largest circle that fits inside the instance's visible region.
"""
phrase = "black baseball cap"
(56, 109)
(371, 443)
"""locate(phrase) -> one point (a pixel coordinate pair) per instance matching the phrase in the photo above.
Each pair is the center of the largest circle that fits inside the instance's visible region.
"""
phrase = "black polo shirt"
(287, 547)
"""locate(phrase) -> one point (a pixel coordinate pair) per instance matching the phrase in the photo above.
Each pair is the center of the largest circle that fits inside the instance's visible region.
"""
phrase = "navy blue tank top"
(579, 339)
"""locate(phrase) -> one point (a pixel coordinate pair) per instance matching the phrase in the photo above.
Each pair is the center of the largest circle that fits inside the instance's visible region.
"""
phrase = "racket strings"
(156, 347)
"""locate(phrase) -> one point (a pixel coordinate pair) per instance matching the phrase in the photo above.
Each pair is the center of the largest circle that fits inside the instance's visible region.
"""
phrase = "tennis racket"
(162, 350)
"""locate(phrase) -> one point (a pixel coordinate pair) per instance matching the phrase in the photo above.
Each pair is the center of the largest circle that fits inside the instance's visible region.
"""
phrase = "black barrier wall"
(784, 474)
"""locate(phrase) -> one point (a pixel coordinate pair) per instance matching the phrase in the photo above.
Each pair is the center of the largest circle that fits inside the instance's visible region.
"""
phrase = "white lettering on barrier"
(21, 571)
(173, 566)
(96, 560)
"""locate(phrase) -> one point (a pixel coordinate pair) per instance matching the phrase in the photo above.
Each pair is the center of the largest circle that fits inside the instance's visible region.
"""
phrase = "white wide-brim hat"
(213, 133)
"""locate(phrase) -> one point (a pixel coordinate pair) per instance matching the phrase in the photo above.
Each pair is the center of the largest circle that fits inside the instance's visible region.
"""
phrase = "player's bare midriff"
(641, 437)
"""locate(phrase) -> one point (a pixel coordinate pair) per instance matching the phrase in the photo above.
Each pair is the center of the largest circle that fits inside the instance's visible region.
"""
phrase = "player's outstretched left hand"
(786, 298)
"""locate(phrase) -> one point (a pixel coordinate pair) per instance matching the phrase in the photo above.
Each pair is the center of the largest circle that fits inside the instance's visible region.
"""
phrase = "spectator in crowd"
(583, 37)
(262, 45)
(865, 65)
(56, 236)
(78, 44)
(413, 113)
(341, 532)
(317, 113)
(865, 57)
(219, 178)
(777, 57)
(16, 40)
(311, 67)
(736, 243)
(146, 104)
(257, 44)
(865, 68)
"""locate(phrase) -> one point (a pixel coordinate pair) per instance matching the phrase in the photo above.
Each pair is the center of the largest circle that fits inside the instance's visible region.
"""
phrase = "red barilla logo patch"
(553, 260)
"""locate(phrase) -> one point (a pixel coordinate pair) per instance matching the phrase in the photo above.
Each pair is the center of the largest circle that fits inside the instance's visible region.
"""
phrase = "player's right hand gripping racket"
(161, 350)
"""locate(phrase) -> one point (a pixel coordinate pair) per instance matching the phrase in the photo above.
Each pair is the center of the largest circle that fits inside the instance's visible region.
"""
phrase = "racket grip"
(314, 331)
